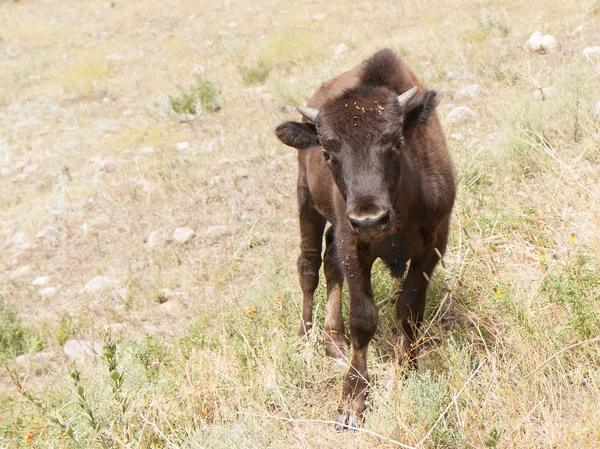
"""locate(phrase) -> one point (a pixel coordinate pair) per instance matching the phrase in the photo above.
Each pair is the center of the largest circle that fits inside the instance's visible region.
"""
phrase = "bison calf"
(373, 162)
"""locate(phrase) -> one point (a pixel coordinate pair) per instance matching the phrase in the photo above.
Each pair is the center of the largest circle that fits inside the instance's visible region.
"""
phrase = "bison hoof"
(304, 328)
(335, 344)
(347, 421)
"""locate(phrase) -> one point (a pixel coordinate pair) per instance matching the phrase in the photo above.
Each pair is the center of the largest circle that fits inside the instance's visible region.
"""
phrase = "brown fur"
(383, 178)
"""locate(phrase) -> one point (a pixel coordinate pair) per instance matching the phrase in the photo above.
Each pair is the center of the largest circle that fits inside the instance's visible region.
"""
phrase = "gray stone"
(182, 146)
(157, 238)
(541, 43)
(40, 358)
(591, 52)
(217, 231)
(468, 92)
(544, 93)
(48, 292)
(183, 235)
(20, 272)
(340, 48)
(31, 168)
(98, 284)
(78, 350)
(460, 114)
(20, 240)
(105, 165)
(41, 281)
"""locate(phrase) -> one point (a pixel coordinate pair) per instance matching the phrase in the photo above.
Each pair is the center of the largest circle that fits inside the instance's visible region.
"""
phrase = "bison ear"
(298, 135)
(420, 109)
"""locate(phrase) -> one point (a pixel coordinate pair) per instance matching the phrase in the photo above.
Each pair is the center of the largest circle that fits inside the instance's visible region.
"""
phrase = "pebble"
(20, 272)
(590, 52)
(105, 165)
(42, 357)
(460, 114)
(457, 136)
(41, 281)
(157, 238)
(4, 171)
(20, 240)
(182, 146)
(31, 168)
(597, 111)
(98, 284)
(541, 43)
(146, 150)
(469, 91)
(48, 292)
(340, 48)
(77, 350)
(319, 16)
(217, 231)
(183, 235)
(544, 93)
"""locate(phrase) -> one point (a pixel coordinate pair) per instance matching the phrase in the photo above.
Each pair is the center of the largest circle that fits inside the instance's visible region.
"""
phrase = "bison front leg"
(363, 324)
(335, 337)
(312, 226)
(410, 307)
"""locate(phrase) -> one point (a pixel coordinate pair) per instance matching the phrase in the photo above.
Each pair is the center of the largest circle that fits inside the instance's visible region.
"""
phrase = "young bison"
(373, 162)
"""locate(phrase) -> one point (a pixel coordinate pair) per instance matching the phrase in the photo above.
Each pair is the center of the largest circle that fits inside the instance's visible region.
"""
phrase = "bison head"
(361, 135)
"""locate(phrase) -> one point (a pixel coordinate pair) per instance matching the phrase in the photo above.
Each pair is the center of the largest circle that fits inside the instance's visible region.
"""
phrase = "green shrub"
(195, 98)
(15, 338)
(255, 74)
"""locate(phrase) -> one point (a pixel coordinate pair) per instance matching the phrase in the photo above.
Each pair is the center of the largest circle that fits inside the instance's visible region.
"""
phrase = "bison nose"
(370, 224)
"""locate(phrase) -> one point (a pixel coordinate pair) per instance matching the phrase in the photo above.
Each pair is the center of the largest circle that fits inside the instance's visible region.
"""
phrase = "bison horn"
(407, 96)
(309, 114)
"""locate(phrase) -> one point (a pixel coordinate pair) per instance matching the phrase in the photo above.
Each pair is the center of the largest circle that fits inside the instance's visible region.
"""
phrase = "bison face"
(361, 139)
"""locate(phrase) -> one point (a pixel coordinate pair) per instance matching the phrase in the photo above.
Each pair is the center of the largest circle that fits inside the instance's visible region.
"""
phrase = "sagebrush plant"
(255, 73)
(195, 98)
(15, 337)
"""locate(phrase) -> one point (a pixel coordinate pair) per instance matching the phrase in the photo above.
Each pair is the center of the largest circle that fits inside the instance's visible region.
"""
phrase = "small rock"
(20, 272)
(591, 52)
(597, 111)
(457, 136)
(157, 238)
(217, 231)
(182, 146)
(42, 357)
(577, 30)
(146, 150)
(469, 91)
(114, 57)
(460, 114)
(242, 174)
(232, 25)
(31, 168)
(20, 241)
(77, 350)
(98, 284)
(541, 43)
(172, 308)
(544, 93)
(183, 235)
(340, 48)
(4, 171)
(319, 16)
(41, 281)
(105, 165)
(48, 292)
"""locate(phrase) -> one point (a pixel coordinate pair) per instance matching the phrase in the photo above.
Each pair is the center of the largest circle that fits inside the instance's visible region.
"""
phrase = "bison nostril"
(369, 223)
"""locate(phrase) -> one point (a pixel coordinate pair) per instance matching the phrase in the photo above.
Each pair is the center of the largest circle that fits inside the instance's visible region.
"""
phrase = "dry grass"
(511, 356)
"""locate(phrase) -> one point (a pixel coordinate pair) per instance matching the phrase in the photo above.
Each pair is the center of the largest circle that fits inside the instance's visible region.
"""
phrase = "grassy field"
(122, 121)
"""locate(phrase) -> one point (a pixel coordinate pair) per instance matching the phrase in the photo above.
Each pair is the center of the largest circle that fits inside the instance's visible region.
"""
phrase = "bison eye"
(400, 145)
(326, 155)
